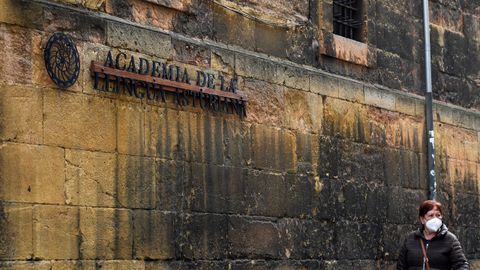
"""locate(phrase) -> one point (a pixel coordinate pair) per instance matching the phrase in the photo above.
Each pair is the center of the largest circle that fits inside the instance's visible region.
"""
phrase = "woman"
(441, 247)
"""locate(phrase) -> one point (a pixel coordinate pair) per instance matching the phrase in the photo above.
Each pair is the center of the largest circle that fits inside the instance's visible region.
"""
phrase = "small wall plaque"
(62, 60)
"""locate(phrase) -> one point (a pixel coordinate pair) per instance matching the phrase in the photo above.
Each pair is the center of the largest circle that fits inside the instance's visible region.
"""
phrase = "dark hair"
(427, 206)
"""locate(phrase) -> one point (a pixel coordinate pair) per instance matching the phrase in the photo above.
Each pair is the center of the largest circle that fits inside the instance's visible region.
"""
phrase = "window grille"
(347, 18)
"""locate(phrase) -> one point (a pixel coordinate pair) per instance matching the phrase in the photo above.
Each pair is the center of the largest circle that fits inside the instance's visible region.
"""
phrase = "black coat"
(444, 252)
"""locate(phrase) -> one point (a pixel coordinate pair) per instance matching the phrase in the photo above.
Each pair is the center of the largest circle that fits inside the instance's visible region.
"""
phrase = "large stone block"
(20, 13)
(438, 47)
(79, 25)
(90, 178)
(31, 173)
(95, 4)
(21, 114)
(467, 97)
(162, 133)
(103, 179)
(325, 199)
(198, 22)
(135, 183)
(470, 29)
(186, 136)
(73, 265)
(302, 46)
(455, 56)
(360, 202)
(358, 241)
(232, 28)
(455, 139)
(336, 87)
(56, 232)
(406, 104)
(159, 265)
(273, 149)
(237, 143)
(23, 265)
(170, 183)
(106, 233)
(405, 132)
(294, 77)
(17, 45)
(304, 111)
(291, 232)
(265, 194)
(393, 238)
(462, 176)
(266, 104)
(465, 119)
(351, 121)
(447, 16)
(325, 85)
(258, 68)
(319, 240)
(270, 40)
(213, 144)
(120, 9)
(308, 150)
(253, 239)
(465, 209)
(222, 60)
(216, 189)
(299, 198)
(154, 235)
(402, 205)
(399, 10)
(16, 240)
(346, 160)
(130, 128)
(379, 98)
(190, 53)
(402, 168)
(469, 238)
(77, 121)
(137, 39)
(202, 236)
(400, 40)
(201, 137)
(391, 68)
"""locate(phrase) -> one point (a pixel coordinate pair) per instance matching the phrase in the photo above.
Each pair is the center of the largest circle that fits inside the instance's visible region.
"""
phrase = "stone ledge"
(442, 112)
(348, 50)
(381, 99)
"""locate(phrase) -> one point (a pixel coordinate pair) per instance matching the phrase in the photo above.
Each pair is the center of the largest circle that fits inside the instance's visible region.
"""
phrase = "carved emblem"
(62, 60)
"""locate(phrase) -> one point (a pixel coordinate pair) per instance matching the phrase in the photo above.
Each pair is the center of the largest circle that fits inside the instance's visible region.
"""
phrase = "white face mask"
(434, 224)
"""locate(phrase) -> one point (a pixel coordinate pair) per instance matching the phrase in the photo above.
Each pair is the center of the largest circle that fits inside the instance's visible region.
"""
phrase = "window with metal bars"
(347, 18)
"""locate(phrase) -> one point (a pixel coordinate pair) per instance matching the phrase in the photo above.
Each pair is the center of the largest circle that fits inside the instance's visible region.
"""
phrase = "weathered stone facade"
(325, 172)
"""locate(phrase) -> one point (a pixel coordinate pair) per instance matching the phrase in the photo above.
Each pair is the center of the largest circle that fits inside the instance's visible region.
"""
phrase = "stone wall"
(325, 172)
